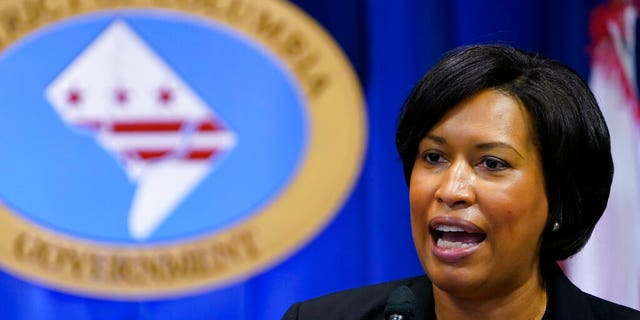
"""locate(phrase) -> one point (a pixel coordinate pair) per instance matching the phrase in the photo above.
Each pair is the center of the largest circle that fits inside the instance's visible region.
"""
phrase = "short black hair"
(570, 132)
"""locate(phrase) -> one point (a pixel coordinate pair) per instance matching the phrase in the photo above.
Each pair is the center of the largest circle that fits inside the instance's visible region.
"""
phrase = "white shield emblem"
(141, 112)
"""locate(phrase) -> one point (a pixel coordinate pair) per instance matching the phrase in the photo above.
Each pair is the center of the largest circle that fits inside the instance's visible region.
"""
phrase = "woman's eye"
(494, 164)
(433, 157)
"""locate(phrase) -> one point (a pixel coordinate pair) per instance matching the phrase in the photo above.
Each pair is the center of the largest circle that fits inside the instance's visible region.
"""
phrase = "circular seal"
(157, 148)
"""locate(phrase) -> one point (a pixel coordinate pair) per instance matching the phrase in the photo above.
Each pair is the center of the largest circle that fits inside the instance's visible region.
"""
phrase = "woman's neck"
(526, 302)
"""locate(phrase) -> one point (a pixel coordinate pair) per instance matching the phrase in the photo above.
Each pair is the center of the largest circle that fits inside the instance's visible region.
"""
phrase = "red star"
(122, 96)
(165, 96)
(74, 97)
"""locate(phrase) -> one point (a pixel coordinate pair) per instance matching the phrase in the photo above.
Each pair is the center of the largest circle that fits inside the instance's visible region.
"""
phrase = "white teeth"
(449, 228)
(451, 245)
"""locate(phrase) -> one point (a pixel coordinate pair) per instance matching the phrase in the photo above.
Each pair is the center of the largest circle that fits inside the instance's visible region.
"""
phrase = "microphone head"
(402, 302)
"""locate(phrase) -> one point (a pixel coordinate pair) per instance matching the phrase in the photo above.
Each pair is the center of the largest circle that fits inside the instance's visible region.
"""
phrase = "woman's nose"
(456, 186)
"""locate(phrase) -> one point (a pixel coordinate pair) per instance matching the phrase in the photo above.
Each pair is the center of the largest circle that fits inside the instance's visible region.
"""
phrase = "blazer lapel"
(423, 291)
(567, 301)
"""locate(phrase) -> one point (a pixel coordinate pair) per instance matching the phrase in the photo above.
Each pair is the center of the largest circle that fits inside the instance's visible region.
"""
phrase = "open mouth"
(455, 237)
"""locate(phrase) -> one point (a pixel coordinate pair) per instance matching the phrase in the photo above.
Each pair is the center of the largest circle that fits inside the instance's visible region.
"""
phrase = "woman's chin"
(461, 281)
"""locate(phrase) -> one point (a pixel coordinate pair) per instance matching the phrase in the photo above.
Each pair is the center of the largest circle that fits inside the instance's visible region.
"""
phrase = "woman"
(508, 163)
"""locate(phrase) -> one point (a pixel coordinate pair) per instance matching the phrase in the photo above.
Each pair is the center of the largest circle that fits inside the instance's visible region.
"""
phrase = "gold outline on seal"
(337, 140)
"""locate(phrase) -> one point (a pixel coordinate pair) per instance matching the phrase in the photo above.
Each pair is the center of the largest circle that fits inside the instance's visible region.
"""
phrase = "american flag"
(609, 265)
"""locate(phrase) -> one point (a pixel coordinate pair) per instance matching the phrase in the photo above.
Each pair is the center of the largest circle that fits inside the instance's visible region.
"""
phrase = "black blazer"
(566, 302)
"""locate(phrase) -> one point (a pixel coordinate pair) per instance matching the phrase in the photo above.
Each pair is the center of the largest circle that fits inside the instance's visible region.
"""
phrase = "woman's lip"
(466, 225)
(453, 254)
(450, 255)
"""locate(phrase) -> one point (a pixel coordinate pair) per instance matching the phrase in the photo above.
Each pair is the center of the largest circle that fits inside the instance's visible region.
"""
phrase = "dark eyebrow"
(499, 145)
(437, 139)
(481, 146)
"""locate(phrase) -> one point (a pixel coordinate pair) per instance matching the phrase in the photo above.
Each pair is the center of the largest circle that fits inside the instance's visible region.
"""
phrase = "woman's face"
(478, 202)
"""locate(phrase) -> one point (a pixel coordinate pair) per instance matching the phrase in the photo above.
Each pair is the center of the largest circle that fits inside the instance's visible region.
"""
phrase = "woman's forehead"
(488, 115)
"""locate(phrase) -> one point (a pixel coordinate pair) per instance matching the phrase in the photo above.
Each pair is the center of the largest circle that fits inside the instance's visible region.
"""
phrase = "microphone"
(401, 304)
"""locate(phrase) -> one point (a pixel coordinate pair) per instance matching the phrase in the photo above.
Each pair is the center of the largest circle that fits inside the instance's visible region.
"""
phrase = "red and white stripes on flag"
(156, 140)
(609, 265)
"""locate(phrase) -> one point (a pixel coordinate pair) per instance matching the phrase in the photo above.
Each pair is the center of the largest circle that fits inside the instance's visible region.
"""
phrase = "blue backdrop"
(391, 45)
